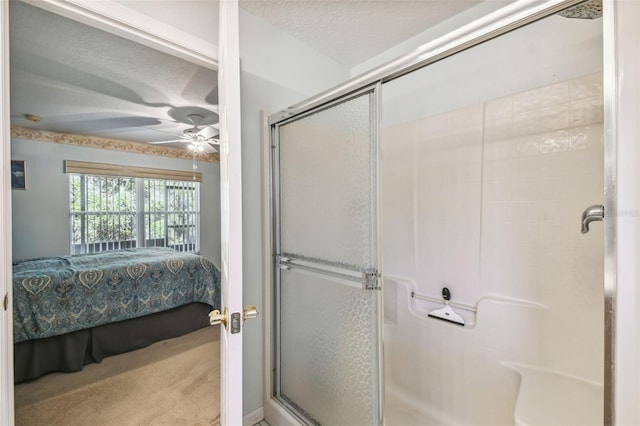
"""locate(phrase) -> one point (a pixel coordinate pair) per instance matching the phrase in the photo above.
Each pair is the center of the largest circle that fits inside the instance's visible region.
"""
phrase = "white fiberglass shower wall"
(489, 157)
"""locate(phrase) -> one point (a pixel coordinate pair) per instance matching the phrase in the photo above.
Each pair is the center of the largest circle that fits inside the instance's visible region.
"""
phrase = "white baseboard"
(253, 417)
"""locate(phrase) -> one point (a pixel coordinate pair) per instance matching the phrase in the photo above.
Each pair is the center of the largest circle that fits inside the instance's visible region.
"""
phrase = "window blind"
(103, 169)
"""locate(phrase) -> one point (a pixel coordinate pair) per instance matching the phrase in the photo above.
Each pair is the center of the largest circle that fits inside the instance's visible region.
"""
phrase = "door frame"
(622, 183)
(622, 210)
(114, 18)
(230, 214)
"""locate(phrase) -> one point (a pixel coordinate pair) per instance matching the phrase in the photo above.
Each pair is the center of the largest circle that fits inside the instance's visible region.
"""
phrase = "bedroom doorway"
(200, 54)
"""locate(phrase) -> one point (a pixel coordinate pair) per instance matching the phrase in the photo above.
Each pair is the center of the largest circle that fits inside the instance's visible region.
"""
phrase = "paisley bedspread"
(58, 295)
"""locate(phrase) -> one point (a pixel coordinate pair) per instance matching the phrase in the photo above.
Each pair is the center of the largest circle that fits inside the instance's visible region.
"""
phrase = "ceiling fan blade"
(209, 149)
(213, 141)
(171, 132)
(207, 132)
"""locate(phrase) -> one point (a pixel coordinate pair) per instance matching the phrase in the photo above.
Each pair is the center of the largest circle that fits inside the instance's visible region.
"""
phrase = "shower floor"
(399, 412)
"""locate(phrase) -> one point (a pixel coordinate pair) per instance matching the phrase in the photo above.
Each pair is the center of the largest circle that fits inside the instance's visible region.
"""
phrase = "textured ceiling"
(86, 81)
(352, 31)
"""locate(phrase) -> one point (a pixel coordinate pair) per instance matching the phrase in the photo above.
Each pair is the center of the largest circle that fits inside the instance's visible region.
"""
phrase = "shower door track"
(502, 21)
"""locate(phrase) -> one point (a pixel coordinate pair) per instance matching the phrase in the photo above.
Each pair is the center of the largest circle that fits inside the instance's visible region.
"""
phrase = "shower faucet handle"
(590, 214)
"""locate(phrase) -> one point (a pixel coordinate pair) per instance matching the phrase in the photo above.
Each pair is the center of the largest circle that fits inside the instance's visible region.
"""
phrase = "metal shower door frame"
(347, 276)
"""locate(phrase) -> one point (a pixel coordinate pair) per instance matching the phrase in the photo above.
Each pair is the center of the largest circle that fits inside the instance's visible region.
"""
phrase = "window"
(113, 212)
(171, 213)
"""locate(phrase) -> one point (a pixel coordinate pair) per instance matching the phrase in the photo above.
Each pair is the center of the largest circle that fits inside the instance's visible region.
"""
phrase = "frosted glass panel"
(326, 185)
(328, 350)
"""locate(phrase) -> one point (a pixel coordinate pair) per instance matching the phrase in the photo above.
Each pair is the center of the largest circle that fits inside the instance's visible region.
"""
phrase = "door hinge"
(5, 302)
(371, 280)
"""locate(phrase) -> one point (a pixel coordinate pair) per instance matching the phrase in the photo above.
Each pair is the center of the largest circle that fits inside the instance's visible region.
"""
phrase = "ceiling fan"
(194, 137)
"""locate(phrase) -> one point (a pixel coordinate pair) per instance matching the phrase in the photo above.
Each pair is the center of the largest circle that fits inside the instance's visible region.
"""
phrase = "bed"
(73, 310)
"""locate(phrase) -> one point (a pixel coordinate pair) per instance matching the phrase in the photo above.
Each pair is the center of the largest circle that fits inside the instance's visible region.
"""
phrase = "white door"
(6, 323)
(231, 216)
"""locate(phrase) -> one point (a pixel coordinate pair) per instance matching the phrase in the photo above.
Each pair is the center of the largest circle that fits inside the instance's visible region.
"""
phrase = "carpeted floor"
(173, 382)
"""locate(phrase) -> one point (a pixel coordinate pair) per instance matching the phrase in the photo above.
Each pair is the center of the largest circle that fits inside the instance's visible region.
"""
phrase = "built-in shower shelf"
(551, 398)
(439, 300)
(467, 311)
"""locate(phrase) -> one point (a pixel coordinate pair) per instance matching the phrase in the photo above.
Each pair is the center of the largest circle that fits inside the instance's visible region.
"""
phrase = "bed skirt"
(71, 352)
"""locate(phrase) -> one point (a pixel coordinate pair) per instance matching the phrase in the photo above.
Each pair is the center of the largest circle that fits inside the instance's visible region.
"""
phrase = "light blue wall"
(41, 212)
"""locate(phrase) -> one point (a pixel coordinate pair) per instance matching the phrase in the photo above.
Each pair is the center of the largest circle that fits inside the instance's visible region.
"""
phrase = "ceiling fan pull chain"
(195, 164)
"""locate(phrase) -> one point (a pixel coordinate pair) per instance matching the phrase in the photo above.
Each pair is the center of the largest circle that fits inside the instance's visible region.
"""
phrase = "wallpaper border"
(107, 143)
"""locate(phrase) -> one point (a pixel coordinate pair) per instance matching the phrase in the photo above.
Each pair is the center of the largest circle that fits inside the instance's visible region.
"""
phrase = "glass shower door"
(327, 298)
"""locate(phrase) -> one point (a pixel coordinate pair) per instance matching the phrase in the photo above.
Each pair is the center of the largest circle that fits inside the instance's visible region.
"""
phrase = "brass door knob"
(215, 318)
(249, 312)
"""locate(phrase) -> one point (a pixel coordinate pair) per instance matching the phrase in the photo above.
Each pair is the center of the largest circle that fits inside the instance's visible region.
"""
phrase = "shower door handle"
(591, 214)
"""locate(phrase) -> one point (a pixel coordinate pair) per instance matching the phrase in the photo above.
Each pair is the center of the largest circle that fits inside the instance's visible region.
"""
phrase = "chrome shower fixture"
(591, 9)
(590, 214)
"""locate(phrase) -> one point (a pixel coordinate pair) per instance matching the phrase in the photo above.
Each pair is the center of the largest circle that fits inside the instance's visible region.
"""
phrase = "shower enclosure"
(466, 166)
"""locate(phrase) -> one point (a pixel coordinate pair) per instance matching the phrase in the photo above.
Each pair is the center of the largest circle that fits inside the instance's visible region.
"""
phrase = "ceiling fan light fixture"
(196, 145)
(194, 139)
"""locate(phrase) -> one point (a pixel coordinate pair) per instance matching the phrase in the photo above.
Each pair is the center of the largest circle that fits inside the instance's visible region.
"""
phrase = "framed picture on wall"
(18, 174)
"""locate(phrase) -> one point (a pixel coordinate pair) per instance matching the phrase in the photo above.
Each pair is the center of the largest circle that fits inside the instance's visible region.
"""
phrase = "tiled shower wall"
(487, 201)
(543, 165)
